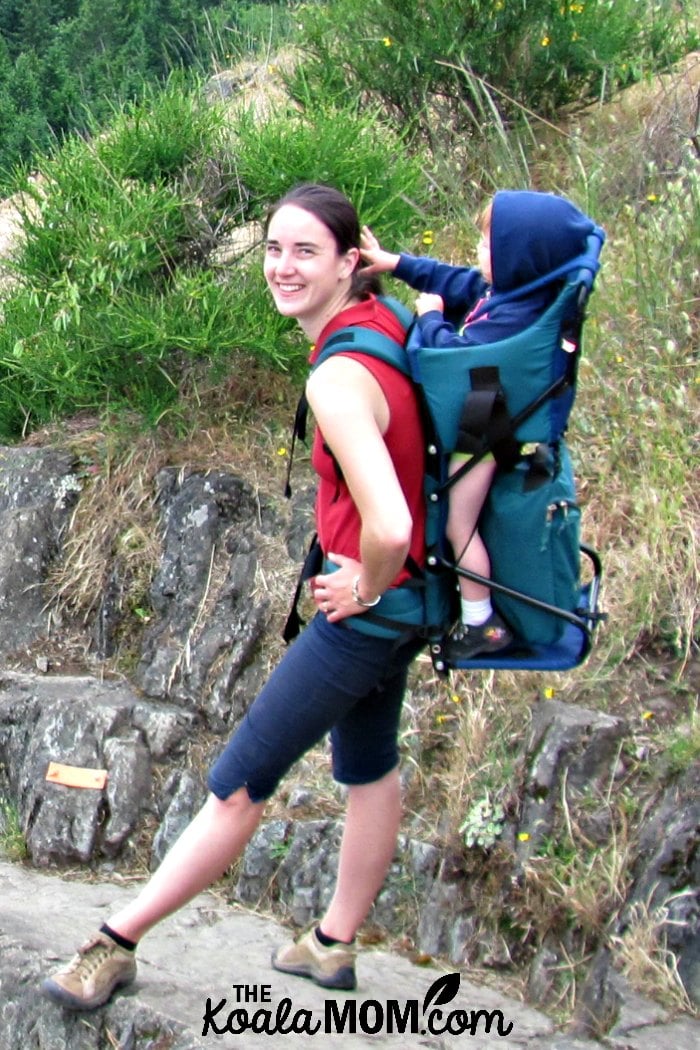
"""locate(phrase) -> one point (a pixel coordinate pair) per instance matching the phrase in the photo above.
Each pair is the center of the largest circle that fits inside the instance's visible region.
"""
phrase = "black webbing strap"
(540, 467)
(298, 431)
(485, 423)
(313, 564)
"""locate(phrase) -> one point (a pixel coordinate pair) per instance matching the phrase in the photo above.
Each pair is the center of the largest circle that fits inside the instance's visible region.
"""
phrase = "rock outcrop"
(201, 661)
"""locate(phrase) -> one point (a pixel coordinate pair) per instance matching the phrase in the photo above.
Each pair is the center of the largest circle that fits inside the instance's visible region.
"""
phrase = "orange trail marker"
(76, 776)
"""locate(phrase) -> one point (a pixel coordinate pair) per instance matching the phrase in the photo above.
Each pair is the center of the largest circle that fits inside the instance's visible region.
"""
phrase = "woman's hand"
(378, 260)
(426, 302)
(332, 591)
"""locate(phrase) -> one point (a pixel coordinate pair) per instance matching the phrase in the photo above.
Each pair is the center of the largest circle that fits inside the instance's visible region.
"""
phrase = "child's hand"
(372, 252)
(427, 301)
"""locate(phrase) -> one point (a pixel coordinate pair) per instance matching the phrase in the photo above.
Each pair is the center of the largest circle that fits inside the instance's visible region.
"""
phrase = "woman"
(346, 682)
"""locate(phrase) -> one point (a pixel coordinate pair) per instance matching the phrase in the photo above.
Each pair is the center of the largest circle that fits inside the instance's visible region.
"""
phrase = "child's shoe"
(466, 642)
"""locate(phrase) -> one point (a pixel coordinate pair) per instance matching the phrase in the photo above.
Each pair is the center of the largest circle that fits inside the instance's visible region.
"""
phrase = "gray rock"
(79, 722)
(570, 748)
(38, 488)
(184, 795)
(189, 656)
(666, 882)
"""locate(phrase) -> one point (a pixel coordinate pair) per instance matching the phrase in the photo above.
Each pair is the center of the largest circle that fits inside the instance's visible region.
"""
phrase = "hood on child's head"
(531, 234)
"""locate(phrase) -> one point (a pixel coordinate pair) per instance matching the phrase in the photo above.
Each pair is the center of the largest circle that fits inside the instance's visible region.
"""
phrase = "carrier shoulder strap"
(369, 341)
(362, 340)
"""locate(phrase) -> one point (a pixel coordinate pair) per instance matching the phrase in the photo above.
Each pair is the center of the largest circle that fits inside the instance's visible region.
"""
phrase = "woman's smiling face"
(308, 277)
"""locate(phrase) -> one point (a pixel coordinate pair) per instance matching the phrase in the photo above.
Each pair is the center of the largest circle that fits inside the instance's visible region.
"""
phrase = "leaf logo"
(442, 991)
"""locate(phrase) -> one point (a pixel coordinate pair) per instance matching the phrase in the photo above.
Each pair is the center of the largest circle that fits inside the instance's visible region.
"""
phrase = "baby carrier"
(516, 396)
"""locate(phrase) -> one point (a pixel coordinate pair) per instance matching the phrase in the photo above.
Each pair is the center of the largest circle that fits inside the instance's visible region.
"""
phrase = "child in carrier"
(524, 235)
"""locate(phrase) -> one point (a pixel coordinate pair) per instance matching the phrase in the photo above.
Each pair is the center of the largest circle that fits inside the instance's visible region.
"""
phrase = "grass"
(13, 844)
(644, 958)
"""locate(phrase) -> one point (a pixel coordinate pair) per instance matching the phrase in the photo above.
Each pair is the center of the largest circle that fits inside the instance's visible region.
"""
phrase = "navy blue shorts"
(332, 679)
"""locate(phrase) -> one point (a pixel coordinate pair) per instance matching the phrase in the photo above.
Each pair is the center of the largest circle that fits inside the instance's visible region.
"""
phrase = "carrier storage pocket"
(531, 528)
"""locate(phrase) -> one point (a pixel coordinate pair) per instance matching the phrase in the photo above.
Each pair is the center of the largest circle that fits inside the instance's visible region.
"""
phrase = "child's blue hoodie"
(531, 235)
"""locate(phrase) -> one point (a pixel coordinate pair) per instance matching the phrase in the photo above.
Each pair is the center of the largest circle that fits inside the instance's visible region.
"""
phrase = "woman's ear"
(350, 262)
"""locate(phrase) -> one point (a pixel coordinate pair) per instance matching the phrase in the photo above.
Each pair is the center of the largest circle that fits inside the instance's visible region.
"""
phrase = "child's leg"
(466, 500)
(481, 630)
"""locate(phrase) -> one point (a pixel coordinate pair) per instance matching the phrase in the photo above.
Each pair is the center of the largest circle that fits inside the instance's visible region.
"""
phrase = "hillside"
(633, 436)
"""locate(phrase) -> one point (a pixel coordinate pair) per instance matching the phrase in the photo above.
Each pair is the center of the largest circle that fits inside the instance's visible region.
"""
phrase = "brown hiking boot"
(332, 967)
(90, 978)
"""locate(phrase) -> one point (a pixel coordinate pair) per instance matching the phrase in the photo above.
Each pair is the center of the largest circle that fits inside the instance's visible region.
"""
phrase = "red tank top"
(337, 520)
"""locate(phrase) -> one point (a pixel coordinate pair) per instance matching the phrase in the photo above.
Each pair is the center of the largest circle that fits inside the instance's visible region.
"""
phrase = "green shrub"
(349, 148)
(161, 135)
(118, 302)
(540, 54)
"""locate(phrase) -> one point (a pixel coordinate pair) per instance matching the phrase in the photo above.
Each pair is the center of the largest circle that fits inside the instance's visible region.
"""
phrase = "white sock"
(474, 614)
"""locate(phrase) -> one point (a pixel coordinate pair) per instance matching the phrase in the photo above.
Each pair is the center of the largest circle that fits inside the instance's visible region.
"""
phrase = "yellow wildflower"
(281, 451)
(647, 715)
(428, 237)
(387, 41)
(524, 836)
(545, 41)
(549, 693)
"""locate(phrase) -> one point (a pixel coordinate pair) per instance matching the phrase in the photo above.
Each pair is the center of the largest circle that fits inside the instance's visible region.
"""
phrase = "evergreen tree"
(60, 59)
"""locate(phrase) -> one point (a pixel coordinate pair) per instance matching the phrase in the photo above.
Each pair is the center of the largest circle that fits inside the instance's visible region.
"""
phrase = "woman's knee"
(236, 805)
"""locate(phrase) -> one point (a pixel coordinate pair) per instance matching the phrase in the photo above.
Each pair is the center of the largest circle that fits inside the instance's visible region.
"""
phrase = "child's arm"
(435, 330)
(459, 286)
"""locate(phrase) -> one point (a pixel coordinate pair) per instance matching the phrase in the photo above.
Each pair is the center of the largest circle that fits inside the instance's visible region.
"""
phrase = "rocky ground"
(205, 980)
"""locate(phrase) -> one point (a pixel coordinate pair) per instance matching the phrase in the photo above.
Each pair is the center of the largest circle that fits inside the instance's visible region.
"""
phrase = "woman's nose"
(285, 262)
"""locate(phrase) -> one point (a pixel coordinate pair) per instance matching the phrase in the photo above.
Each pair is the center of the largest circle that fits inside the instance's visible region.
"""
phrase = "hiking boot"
(332, 967)
(466, 642)
(90, 978)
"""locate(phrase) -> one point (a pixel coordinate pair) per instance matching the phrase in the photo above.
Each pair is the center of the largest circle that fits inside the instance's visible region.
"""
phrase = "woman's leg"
(366, 851)
(207, 847)
(306, 693)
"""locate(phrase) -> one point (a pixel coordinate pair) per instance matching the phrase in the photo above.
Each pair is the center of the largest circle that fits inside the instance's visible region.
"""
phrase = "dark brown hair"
(338, 214)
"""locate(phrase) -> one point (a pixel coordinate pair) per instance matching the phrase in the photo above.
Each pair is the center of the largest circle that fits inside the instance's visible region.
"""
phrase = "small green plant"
(12, 841)
(484, 823)
(681, 747)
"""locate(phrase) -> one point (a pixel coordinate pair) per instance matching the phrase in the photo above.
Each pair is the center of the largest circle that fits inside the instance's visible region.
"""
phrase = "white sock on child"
(476, 613)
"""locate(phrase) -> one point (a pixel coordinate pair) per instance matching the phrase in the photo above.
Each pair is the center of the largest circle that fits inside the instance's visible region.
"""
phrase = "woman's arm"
(351, 410)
